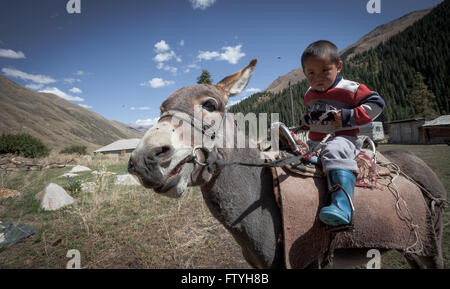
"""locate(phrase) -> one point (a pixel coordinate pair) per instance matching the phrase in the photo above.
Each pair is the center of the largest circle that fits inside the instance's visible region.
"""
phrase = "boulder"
(79, 169)
(88, 187)
(54, 197)
(103, 173)
(8, 193)
(69, 175)
(126, 180)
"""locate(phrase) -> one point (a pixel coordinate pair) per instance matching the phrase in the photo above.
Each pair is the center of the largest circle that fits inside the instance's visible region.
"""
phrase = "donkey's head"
(160, 160)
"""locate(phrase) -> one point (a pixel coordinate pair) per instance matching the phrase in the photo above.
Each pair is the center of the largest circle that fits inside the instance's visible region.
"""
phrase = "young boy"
(338, 106)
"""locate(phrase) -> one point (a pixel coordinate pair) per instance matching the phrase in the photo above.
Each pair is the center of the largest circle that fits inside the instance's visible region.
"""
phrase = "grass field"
(131, 227)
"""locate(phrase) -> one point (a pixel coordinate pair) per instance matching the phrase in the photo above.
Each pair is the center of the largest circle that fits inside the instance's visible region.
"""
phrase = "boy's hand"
(312, 117)
(332, 117)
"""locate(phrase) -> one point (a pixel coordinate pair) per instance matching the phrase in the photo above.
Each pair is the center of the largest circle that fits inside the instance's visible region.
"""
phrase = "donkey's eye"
(210, 105)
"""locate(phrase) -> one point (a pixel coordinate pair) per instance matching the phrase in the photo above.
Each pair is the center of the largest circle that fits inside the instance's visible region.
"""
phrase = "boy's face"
(321, 72)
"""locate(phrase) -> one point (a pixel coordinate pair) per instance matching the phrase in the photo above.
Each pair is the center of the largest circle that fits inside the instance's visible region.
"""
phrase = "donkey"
(242, 198)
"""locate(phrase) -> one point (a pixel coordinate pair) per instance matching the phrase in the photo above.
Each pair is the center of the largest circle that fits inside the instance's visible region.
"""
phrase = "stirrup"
(286, 133)
(342, 228)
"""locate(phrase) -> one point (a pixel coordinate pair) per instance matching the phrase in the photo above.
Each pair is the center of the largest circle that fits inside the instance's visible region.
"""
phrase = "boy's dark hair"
(321, 48)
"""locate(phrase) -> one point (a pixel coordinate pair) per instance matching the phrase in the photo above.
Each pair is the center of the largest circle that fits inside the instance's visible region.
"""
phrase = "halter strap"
(200, 125)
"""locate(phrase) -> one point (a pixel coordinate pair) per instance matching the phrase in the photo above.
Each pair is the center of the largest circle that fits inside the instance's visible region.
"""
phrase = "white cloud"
(207, 55)
(194, 65)
(164, 53)
(132, 108)
(147, 122)
(233, 102)
(165, 56)
(26, 76)
(34, 86)
(251, 90)
(56, 91)
(172, 69)
(158, 82)
(202, 4)
(162, 46)
(84, 105)
(230, 54)
(71, 80)
(80, 73)
(144, 108)
(181, 43)
(76, 90)
(8, 53)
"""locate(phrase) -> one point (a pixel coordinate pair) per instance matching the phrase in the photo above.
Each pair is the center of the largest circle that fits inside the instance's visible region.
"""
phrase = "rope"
(403, 214)
(435, 201)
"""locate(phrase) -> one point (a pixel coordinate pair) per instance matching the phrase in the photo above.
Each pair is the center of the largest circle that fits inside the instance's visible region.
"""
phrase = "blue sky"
(121, 59)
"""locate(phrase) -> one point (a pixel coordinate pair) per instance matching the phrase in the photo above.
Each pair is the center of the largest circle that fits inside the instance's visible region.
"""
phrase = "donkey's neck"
(242, 199)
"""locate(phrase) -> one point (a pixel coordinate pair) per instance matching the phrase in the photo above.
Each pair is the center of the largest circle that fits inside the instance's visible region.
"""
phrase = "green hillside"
(410, 71)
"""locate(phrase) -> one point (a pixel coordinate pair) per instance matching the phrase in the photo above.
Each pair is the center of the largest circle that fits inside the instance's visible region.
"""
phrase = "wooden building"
(120, 147)
(436, 131)
(420, 131)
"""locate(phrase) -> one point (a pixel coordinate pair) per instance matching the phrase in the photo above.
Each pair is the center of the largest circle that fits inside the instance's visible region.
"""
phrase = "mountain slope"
(56, 121)
(383, 33)
(392, 68)
(368, 41)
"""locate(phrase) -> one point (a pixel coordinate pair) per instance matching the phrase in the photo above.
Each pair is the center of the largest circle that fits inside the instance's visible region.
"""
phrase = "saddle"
(301, 191)
(368, 170)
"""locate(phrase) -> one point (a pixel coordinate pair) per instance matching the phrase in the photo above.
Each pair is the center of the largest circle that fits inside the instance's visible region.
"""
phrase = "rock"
(88, 187)
(54, 197)
(8, 193)
(79, 169)
(103, 173)
(126, 180)
(69, 175)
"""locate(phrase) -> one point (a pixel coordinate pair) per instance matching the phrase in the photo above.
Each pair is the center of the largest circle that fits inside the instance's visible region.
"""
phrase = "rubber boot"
(339, 212)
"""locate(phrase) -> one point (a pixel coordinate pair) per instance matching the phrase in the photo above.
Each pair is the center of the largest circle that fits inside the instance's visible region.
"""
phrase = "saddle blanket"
(376, 218)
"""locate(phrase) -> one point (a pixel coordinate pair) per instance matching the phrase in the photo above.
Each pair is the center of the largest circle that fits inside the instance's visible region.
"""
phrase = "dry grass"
(115, 226)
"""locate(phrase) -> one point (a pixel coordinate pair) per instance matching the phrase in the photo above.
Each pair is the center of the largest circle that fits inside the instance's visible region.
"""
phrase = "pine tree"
(421, 98)
(204, 78)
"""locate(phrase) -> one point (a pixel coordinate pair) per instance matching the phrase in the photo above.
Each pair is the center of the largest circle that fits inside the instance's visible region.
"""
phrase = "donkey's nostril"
(164, 150)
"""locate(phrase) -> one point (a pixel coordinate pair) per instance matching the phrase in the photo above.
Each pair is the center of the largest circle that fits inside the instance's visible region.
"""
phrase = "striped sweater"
(358, 104)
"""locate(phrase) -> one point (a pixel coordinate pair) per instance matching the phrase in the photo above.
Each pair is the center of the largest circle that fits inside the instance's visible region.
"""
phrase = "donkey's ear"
(235, 83)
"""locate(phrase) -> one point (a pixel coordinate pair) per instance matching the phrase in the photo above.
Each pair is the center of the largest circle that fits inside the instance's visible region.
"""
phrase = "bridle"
(200, 125)
(211, 152)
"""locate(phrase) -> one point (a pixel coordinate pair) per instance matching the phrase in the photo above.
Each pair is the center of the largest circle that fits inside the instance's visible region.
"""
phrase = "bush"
(23, 145)
(81, 150)
(74, 185)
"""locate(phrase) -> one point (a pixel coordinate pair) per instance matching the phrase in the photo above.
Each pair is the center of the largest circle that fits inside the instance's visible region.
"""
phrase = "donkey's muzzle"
(146, 166)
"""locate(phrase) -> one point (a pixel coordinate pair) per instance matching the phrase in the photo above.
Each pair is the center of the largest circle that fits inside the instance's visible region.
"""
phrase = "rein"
(212, 159)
